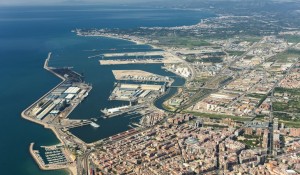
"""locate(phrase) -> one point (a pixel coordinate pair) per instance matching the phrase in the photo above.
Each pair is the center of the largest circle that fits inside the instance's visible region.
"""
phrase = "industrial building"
(57, 100)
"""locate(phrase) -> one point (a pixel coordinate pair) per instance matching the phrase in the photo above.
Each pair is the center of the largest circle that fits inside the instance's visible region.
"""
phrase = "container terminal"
(52, 110)
(139, 75)
(145, 87)
(140, 93)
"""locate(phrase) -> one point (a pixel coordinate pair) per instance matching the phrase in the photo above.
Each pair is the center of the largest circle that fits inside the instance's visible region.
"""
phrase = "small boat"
(95, 125)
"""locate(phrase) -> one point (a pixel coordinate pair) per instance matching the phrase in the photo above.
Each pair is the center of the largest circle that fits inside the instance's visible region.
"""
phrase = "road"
(82, 163)
(271, 117)
(200, 94)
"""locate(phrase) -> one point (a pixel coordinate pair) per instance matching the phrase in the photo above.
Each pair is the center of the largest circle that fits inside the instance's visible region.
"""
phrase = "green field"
(287, 117)
(218, 116)
(250, 139)
(212, 60)
(254, 95)
(237, 53)
(205, 60)
(293, 92)
(248, 57)
(292, 38)
(292, 105)
(260, 117)
(195, 98)
(251, 39)
(200, 79)
(285, 56)
(287, 112)
(183, 42)
(169, 108)
(290, 124)
(280, 106)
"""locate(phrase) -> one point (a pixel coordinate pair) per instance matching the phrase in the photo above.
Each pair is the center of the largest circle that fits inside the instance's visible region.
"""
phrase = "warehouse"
(72, 90)
(69, 96)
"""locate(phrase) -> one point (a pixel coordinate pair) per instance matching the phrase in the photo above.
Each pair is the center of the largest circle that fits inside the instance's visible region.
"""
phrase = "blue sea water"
(27, 34)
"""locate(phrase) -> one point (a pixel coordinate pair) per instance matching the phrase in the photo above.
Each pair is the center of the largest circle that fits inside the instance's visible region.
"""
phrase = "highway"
(200, 94)
(83, 160)
(271, 117)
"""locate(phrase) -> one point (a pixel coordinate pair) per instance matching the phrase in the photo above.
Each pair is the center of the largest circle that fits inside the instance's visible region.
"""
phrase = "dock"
(168, 58)
(136, 54)
(113, 112)
(55, 159)
(135, 92)
(55, 106)
(139, 75)
(77, 123)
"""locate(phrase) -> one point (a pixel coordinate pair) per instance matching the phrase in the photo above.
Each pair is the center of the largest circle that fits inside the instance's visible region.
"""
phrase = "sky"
(58, 2)
(77, 2)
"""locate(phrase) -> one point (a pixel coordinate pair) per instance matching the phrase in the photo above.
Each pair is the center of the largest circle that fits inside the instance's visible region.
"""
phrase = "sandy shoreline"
(136, 41)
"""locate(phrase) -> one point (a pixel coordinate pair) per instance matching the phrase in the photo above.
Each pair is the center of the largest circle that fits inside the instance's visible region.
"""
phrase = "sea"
(29, 33)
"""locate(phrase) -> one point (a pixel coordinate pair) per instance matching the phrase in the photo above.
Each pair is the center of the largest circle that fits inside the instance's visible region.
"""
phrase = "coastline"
(114, 36)
(57, 38)
(24, 116)
(136, 41)
(55, 131)
(69, 169)
(48, 69)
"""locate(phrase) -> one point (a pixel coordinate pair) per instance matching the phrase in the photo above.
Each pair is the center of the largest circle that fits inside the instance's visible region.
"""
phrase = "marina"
(51, 157)
(52, 110)
(21, 67)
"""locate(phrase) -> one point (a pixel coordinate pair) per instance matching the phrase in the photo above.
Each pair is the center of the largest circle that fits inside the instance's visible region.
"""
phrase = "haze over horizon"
(65, 2)
(99, 2)
(150, 87)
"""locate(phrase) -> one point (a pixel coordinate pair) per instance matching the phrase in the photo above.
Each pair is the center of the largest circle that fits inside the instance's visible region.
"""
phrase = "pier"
(76, 123)
(50, 69)
(136, 54)
(54, 159)
(52, 108)
(80, 124)
(139, 75)
(113, 112)
(168, 58)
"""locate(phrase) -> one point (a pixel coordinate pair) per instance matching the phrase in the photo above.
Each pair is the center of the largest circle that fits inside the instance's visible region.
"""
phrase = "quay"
(60, 101)
(113, 112)
(75, 123)
(52, 110)
(55, 158)
(139, 75)
(168, 58)
(136, 92)
(136, 54)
